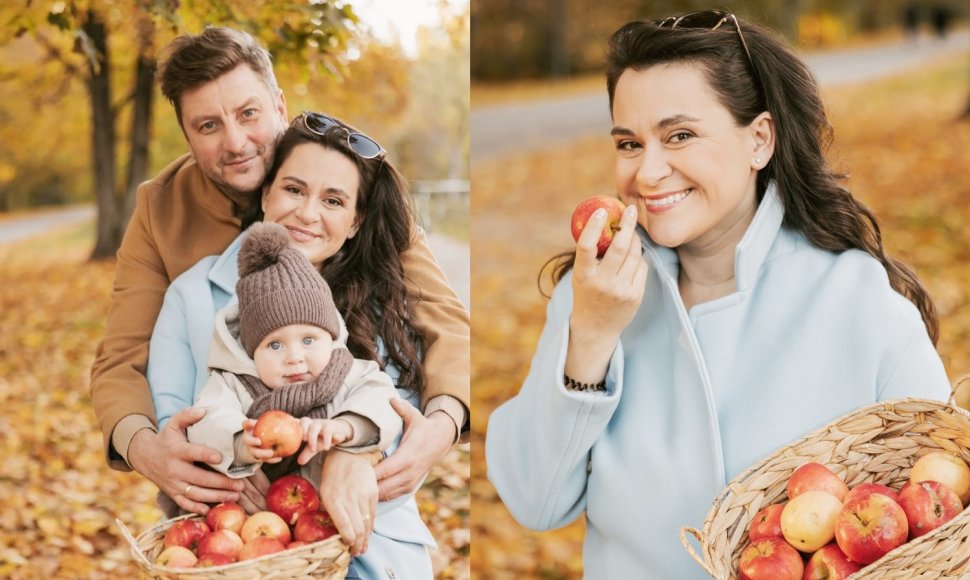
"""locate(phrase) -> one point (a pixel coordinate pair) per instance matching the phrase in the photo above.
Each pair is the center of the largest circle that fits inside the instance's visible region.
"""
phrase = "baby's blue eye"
(308, 340)
(275, 345)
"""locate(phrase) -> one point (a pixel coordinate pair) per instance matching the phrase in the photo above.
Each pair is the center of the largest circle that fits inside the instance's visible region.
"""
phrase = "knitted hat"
(278, 286)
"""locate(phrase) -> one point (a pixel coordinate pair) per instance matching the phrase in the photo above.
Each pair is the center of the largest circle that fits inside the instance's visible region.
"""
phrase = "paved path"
(516, 128)
(452, 255)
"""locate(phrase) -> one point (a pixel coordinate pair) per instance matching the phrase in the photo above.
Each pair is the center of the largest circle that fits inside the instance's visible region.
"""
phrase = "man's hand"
(348, 491)
(253, 496)
(426, 441)
(166, 458)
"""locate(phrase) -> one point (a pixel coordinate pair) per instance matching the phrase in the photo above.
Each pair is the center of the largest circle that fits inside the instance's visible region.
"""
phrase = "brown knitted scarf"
(307, 399)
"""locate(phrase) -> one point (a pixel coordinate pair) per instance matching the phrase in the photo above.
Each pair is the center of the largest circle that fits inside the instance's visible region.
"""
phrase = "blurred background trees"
(80, 118)
(522, 39)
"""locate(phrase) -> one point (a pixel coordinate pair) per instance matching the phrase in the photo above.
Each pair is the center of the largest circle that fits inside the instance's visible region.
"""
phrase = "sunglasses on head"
(361, 144)
(708, 20)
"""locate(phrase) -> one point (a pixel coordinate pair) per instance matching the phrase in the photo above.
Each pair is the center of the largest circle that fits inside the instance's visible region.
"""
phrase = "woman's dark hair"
(777, 81)
(366, 274)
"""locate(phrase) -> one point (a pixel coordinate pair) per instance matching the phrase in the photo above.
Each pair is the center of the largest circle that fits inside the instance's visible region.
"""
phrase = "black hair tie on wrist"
(574, 385)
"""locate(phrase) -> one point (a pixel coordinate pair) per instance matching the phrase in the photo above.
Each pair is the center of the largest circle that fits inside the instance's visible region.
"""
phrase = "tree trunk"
(141, 117)
(103, 138)
(558, 50)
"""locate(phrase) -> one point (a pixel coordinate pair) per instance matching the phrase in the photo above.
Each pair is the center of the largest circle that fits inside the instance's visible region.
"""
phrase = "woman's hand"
(167, 459)
(348, 490)
(425, 442)
(606, 295)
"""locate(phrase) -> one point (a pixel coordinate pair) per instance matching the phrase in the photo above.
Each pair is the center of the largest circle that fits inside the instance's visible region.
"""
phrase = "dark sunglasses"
(361, 144)
(709, 20)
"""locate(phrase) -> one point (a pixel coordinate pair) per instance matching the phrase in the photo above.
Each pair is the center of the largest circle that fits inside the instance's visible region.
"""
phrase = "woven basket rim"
(134, 545)
(704, 537)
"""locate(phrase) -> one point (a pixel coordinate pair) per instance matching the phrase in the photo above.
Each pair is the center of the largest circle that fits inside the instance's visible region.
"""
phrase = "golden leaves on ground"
(59, 497)
(908, 156)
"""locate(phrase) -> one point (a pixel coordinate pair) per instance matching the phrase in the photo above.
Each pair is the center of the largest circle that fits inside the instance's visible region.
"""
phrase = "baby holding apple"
(281, 348)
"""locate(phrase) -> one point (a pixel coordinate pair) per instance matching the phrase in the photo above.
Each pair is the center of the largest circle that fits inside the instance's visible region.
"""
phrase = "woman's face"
(681, 159)
(314, 196)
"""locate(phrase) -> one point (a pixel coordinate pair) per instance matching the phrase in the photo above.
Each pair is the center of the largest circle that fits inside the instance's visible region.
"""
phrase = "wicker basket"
(877, 443)
(328, 559)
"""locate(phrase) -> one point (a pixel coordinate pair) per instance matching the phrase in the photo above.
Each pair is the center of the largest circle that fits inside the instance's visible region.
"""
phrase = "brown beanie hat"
(278, 286)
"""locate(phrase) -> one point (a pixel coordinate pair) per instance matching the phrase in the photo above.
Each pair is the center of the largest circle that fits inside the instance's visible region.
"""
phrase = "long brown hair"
(777, 81)
(366, 274)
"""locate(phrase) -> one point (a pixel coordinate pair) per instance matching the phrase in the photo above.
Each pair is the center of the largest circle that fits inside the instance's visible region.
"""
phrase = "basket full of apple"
(293, 537)
(877, 494)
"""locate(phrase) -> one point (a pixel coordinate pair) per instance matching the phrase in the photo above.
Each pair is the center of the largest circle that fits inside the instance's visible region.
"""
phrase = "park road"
(521, 127)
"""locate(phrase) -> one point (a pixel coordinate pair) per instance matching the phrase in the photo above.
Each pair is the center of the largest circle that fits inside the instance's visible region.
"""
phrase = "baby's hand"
(321, 435)
(253, 443)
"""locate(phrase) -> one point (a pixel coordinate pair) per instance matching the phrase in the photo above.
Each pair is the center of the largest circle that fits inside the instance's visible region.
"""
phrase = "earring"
(757, 161)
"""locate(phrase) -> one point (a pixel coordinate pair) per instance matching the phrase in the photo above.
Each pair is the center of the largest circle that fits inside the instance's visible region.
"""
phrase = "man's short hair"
(190, 61)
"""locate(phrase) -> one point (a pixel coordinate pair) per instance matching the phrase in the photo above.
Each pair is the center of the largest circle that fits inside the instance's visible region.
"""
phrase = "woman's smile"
(666, 201)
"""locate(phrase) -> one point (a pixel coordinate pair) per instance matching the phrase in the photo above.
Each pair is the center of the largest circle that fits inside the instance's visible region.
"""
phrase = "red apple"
(279, 431)
(585, 209)
(291, 496)
(214, 560)
(928, 505)
(265, 524)
(815, 476)
(185, 533)
(864, 489)
(766, 523)
(176, 557)
(869, 527)
(314, 526)
(830, 563)
(225, 542)
(296, 544)
(946, 468)
(226, 516)
(808, 521)
(260, 546)
(770, 559)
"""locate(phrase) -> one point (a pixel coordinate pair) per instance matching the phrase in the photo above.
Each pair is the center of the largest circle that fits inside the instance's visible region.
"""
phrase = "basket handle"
(132, 542)
(684, 531)
(956, 385)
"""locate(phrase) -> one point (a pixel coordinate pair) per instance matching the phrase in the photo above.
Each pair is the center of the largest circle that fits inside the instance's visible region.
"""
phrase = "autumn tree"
(97, 43)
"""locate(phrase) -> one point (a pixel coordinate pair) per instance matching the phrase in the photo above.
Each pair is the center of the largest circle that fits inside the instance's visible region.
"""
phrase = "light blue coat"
(178, 371)
(693, 398)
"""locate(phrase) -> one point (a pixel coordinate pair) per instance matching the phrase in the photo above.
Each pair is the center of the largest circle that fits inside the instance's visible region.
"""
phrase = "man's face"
(232, 124)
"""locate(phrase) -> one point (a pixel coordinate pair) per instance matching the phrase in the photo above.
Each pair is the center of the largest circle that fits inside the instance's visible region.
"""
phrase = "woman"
(746, 301)
(345, 208)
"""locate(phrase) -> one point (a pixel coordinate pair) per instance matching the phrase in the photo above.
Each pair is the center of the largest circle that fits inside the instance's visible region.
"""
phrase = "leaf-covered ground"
(58, 497)
(908, 156)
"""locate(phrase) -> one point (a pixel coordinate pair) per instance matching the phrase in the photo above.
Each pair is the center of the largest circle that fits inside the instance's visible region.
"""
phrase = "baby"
(283, 347)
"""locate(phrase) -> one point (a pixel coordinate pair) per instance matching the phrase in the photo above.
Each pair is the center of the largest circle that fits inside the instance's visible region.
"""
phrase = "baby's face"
(293, 354)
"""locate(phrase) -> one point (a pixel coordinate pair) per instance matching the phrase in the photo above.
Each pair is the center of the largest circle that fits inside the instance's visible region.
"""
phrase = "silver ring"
(365, 517)
(188, 488)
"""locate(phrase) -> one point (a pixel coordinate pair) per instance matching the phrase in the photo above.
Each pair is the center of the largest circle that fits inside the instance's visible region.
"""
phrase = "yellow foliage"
(60, 498)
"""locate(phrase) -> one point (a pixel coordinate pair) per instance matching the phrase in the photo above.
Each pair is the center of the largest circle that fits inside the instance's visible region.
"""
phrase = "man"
(232, 112)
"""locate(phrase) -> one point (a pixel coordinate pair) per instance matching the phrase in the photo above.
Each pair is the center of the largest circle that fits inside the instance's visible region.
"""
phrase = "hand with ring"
(188, 488)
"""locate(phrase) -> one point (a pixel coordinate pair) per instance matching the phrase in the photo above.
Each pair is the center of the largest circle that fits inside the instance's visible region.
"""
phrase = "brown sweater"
(180, 217)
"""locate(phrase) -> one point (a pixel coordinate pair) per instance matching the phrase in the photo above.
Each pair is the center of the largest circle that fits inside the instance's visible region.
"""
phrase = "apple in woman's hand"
(585, 209)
